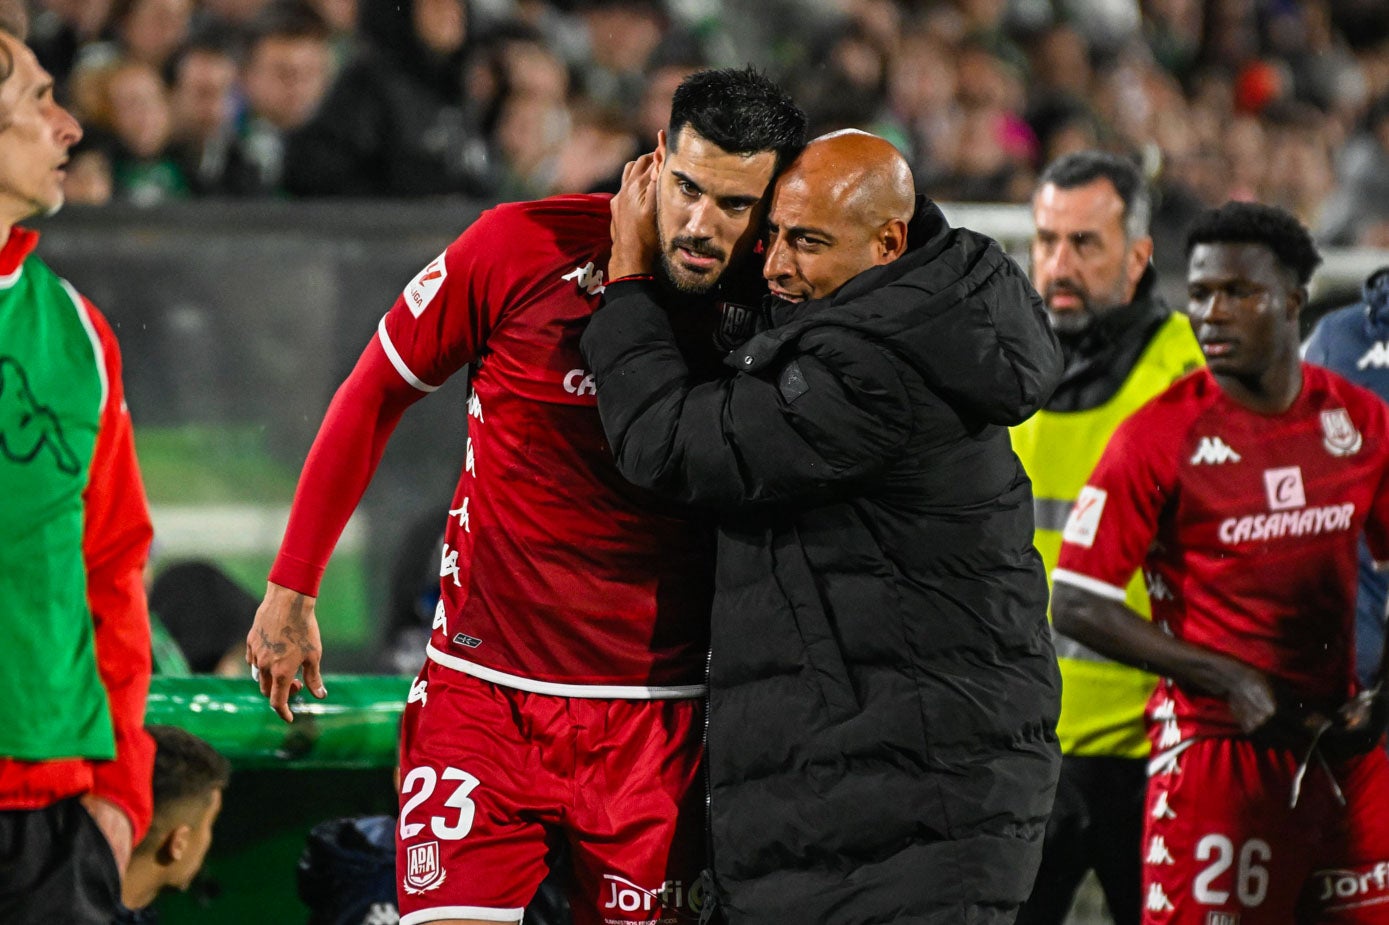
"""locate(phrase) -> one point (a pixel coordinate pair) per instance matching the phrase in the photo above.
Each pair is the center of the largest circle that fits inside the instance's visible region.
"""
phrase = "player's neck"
(1273, 392)
(141, 883)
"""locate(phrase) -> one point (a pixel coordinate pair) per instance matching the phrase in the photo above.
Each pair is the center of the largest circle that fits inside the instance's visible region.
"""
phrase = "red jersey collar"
(20, 244)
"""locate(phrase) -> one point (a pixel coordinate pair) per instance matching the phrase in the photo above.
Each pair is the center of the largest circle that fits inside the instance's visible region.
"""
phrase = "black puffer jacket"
(883, 690)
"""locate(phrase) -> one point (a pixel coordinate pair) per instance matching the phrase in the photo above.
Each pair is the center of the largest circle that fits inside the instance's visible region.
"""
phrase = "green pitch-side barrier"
(355, 727)
(336, 759)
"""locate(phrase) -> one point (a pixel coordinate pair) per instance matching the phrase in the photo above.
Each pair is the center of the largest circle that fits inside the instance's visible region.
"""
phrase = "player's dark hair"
(1081, 168)
(741, 111)
(185, 767)
(1256, 223)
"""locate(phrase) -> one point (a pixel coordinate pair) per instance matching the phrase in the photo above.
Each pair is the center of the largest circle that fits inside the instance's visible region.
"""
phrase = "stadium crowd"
(1286, 103)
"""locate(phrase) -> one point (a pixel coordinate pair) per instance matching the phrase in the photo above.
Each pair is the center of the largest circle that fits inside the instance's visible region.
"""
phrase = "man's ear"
(1139, 256)
(660, 148)
(892, 240)
(175, 843)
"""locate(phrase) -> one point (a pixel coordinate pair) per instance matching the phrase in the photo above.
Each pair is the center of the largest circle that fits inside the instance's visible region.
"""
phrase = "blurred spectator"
(88, 181)
(206, 142)
(599, 144)
(340, 16)
(529, 136)
(286, 73)
(844, 85)
(151, 31)
(189, 777)
(622, 36)
(61, 28)
(207, 614)
(236, 15)
(1361, 200)
(396, 121)
(126, 106)
(675, 61)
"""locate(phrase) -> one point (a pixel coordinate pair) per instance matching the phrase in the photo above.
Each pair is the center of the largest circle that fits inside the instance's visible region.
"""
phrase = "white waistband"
(592, 691)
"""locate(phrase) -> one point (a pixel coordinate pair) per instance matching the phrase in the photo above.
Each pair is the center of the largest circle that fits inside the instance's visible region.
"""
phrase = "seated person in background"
(206, 613)
(189, 777)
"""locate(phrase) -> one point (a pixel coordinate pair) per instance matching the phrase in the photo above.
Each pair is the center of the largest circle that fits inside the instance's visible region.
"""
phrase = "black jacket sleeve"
(833, 408)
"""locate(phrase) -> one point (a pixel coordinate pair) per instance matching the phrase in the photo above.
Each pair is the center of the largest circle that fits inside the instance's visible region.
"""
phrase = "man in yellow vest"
(1091, 262)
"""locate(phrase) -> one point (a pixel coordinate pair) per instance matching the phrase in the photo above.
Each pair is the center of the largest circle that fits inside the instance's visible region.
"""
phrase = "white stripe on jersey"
(591, 691)
(398, 363)
(1086, 583)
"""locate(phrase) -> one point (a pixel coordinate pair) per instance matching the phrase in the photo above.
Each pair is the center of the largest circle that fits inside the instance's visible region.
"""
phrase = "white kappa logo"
(422, 869)
(588, 278)
(425, 286)
(1377, 356)
(1284, 488)
(1339, 435)
(1084, 521)
(1157, 899)
(1214, 451)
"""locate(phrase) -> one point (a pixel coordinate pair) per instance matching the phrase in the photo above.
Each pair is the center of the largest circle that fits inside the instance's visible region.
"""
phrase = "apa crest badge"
(423, 872)
(1339, 435)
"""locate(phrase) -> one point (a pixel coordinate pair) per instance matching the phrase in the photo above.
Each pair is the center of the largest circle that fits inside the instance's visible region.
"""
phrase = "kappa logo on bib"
(422, 869)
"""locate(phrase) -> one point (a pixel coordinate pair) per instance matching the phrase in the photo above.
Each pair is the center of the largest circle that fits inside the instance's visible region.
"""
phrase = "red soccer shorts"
(1223, 845)
(492, 776)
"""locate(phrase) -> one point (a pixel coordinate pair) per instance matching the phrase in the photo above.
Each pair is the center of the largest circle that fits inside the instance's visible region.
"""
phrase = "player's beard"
(676, 276)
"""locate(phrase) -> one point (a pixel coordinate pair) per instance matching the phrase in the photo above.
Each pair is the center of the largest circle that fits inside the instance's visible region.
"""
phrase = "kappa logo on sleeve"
(1084, 521)
(424, 287)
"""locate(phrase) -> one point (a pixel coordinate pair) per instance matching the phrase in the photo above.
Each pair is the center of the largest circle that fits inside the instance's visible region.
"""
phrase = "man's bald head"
(841, 207)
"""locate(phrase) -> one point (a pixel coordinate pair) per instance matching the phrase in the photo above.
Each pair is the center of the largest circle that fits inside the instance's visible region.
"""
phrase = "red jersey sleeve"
(1115, 518)
(442, 320)
(340, 464)
(115, 544)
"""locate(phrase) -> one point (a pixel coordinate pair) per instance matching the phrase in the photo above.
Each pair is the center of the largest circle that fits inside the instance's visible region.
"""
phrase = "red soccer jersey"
(557, 575)
(1246, 526)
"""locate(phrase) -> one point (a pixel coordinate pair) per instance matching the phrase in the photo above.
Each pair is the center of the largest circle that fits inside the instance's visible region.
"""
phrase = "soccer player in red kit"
(562, 695)
(1241, 491)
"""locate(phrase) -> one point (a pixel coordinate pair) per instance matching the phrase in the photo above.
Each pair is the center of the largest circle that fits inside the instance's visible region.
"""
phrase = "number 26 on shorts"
(1251, 878)
(424, 779)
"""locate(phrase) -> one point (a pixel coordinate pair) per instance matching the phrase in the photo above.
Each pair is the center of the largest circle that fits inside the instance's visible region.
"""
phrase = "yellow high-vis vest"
(1102, 701)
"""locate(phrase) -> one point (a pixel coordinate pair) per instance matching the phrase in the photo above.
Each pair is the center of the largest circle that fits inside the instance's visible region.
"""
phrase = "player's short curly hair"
(1256, 223)
(740, 110)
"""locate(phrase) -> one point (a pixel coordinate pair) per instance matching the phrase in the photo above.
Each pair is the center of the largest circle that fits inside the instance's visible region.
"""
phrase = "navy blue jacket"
(1354, 341)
